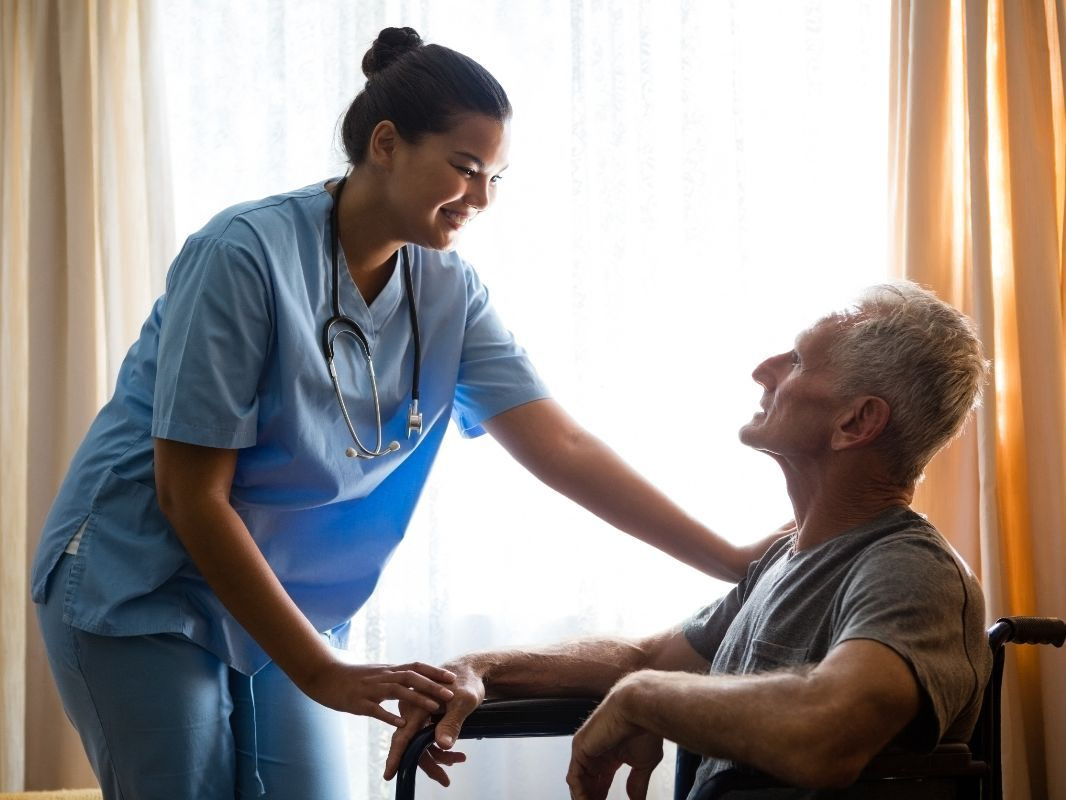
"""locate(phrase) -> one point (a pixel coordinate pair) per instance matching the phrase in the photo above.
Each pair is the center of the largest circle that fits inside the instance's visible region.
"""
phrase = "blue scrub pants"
(163, 719)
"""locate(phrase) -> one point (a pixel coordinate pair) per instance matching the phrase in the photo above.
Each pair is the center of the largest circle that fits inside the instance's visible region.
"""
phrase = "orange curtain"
(977, 175)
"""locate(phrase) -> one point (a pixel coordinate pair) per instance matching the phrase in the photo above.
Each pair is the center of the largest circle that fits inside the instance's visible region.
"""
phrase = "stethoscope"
(340, 325)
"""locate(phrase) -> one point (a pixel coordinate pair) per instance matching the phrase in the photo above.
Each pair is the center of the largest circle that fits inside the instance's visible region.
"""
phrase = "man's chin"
(749, 433)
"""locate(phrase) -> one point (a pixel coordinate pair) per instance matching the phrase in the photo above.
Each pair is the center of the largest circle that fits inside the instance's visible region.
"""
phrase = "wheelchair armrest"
(496, 719)
(949, 761)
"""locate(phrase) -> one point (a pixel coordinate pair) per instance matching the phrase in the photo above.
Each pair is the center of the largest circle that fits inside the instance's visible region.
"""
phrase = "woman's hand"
(468, 693)
(362, 688)
(749, 553)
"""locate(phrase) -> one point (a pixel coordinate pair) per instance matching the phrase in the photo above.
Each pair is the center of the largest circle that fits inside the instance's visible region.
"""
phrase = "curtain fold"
(977, 180)
(15, 72)
(87, 222)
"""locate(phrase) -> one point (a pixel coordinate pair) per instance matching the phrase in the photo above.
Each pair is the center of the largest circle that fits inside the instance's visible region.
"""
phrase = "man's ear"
(861, 423)
(381, 150)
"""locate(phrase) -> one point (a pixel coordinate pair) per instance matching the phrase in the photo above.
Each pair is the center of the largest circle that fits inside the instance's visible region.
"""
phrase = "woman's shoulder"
(275, 217)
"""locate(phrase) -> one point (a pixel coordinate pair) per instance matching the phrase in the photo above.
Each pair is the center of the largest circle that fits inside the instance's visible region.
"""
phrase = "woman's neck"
(364, 225)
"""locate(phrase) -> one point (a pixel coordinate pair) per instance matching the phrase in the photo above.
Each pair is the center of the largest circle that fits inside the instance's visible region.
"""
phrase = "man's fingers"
(416, 721)
(433, 761)
(452, 722)
(637, 784)
(433, 769)
(446, 757)
(588, 779)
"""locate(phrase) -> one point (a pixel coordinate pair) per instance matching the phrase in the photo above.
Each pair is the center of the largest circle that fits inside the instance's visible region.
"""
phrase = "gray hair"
(901, 343)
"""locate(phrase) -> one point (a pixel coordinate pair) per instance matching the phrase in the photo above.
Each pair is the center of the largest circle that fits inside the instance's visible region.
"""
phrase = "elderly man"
(860, 630)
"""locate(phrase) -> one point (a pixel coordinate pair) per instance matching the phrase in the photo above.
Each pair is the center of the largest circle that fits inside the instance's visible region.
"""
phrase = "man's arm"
(583, 667)
(817, 727)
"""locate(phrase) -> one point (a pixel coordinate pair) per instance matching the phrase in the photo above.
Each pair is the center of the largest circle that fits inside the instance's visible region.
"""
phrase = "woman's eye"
(469, 172)
(794, 358)
(496, 178)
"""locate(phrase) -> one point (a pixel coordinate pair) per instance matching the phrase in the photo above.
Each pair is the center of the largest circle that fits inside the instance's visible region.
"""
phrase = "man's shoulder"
(908, 536)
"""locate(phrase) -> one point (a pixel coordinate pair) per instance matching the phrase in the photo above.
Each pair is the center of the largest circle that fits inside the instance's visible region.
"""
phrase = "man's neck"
(831, 502)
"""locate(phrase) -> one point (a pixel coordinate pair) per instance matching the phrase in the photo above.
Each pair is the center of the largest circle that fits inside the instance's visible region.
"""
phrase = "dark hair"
(420, 88)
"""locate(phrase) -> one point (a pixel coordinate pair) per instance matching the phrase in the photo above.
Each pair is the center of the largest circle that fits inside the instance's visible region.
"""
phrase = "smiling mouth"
(457, 220)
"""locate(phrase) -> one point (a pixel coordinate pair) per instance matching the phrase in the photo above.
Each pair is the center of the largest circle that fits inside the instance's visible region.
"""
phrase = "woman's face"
(440, 184)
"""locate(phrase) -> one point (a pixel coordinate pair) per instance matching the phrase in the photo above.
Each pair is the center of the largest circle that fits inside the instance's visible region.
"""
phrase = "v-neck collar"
(381, 307)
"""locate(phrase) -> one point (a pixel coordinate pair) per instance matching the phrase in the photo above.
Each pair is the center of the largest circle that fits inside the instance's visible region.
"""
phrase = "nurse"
(229, 510)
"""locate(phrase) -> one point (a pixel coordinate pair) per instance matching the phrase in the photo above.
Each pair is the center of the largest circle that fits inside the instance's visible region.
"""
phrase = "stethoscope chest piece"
(414, 420)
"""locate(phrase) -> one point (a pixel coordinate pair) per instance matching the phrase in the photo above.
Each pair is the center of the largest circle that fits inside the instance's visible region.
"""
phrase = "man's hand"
(605, 742)
(469, 692)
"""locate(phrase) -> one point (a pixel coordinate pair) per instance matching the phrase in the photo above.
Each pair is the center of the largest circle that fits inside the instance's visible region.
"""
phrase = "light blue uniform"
(231, 356)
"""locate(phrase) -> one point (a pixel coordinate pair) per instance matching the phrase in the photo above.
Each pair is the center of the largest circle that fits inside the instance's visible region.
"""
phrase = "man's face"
(799, 401)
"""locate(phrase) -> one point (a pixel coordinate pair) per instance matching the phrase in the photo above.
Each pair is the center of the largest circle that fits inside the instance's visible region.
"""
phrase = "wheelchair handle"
(1028, 630)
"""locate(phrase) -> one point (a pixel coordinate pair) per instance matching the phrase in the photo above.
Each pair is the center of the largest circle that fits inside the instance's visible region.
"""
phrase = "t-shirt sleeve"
(495, 374)
(214, 338)
(910, 595)
(706, 629)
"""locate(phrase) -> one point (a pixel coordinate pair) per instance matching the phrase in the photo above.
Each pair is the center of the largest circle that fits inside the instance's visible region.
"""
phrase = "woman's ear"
(862, 422)
(381, 150)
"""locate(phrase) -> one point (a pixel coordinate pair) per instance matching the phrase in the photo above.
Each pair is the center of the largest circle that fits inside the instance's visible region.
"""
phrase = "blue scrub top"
(231, 356)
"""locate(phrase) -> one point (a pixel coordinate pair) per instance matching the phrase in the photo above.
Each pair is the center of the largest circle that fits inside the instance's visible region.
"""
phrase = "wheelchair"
(971, 769)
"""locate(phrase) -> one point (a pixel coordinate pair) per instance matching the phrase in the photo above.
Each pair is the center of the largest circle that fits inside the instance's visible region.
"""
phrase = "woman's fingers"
(372, 709)
(400, 682)
(433, 673)
(390, 683)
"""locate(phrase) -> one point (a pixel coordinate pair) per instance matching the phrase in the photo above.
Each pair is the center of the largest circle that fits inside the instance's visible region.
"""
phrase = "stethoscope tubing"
(346, 325)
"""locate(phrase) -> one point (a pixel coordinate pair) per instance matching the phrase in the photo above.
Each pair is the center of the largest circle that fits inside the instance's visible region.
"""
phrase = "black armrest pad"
(540, 716)
(495, 719)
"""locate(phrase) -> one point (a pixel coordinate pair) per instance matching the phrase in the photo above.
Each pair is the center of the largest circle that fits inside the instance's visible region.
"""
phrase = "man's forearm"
(582, 667)
(756, 720)
(806, 727)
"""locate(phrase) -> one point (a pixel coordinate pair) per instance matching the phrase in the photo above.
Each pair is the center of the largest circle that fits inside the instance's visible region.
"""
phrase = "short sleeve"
(912, 596)
(706, 629)
(214, 338)
(495, 373)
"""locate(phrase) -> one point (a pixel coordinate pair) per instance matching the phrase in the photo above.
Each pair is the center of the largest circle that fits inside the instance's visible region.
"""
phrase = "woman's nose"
(478, 194)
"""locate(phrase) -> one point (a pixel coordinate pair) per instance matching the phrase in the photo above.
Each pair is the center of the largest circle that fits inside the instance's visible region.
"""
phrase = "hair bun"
(390, 45)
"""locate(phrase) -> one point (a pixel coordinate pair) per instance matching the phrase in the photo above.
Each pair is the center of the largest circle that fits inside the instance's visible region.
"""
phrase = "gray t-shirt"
(894, 580)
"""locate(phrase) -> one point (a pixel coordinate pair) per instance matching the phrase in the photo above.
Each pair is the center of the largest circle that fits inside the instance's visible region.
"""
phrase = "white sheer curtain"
(691, 182)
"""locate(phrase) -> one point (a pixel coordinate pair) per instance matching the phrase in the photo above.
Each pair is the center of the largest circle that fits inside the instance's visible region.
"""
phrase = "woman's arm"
(544, 439)
(193, 485)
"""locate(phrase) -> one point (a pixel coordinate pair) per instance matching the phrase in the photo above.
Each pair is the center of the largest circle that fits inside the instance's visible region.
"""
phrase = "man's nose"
(761, 374)
(766, 373)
